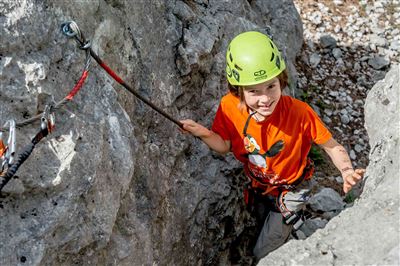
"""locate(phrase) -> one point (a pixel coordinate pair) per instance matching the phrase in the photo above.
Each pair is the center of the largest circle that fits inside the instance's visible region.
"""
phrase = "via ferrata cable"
(71, 29)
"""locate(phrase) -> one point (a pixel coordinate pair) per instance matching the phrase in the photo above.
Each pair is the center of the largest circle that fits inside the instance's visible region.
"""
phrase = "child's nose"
(264, 97)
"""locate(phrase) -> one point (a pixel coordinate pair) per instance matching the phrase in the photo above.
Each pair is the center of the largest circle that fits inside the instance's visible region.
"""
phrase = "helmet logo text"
(260, 73)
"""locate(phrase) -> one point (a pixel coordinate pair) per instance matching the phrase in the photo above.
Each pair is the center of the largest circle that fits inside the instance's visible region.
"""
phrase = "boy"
(271, 134)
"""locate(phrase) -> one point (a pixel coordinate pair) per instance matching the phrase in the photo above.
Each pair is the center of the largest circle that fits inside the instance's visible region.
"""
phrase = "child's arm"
(341, 160)
(212, 139)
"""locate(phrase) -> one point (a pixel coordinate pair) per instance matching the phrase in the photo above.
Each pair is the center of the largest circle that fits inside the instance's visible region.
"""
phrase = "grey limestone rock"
(328, 41)
(326, 200)
(378, 62)
(116, 183)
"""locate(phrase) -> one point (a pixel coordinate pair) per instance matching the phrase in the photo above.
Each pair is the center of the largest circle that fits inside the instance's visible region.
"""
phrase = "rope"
(131, 90)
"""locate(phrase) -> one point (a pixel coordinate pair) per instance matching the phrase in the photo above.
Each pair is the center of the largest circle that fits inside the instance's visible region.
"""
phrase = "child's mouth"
(267, 106)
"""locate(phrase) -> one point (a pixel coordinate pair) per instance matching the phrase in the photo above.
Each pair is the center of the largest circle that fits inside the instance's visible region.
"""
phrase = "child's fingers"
(358, 174)
(360, 171)
(346, 187)
(183, 130)
(350, 180)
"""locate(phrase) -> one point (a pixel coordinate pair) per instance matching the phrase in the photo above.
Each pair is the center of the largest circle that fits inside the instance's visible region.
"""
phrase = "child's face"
(263, 97)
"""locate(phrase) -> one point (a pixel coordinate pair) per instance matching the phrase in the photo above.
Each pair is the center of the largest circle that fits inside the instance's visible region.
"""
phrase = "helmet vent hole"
(278, 63)
(230, 57)
(272, 45)
(238, 67)
(272, 56)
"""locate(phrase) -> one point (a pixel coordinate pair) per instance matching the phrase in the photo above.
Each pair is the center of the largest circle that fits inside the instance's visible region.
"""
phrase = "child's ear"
(233, 89)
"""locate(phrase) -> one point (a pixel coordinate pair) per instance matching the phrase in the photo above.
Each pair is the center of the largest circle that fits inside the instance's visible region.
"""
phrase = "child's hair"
(238, 90)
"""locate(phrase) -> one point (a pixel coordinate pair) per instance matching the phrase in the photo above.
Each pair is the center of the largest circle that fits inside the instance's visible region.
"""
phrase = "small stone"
(377, 30)
(364, 58)
(315, 59)
(378, 75)
(352, 155)
(358, 148)
(395, 45)
(327, 41)
(359, 102)
(349, 99)
(344, 119)
(326, 200)
(311, 225)
(334, 93)
(340, 62)
(328, 112)
(337, 53)
(339, 179)
(378, 62)
(326, 119)
(377, 40)
(331, 82)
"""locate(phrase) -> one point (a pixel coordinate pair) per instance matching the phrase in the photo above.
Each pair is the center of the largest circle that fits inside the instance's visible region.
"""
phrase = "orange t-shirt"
(292, 126)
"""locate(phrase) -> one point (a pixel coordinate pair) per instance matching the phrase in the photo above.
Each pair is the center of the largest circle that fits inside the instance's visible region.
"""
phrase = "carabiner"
(9, 149)
(47, 120)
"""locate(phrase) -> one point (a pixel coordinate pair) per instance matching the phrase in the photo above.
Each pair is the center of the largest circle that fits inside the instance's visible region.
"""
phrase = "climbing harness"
(71, 29)
(291, 217)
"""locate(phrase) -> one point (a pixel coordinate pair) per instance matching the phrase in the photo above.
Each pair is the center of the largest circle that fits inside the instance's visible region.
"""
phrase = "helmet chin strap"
(254, 114)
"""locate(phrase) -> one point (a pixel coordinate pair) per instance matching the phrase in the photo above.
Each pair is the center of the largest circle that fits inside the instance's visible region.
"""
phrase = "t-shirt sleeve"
(220, 124)
(317, 129)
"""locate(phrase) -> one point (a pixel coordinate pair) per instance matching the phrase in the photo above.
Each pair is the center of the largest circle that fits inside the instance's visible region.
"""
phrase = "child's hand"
(350, 179)
(194, 128)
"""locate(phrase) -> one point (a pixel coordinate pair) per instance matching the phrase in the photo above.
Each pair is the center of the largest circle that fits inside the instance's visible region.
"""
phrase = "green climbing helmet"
(252, 58)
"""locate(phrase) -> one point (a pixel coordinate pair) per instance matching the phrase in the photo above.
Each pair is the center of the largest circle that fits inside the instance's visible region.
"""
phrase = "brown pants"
(275, 232)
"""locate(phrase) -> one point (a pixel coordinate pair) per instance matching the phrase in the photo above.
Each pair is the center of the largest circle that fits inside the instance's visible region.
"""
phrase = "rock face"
(367, 233)
(116, 183)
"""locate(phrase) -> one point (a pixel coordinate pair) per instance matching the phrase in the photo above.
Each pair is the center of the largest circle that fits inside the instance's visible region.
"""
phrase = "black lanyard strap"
(247, 123)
